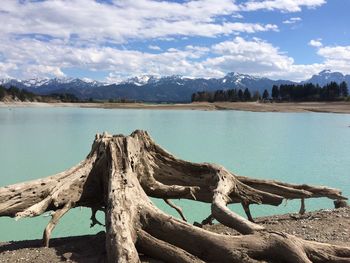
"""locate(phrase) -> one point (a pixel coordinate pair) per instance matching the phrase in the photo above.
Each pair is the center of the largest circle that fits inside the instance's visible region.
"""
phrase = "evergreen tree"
(275, 92)
(193, 97)
(232, 95)
(284, 92)
(240, 95)
(344, 89)
(331, 91)
(247, 95)
(2, 92)
(266, 94)
(220, 95)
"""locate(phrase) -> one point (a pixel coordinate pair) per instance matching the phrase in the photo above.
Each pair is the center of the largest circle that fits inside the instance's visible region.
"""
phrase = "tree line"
(310, 92)
(285, 92)
(15, 93)
(227, 95)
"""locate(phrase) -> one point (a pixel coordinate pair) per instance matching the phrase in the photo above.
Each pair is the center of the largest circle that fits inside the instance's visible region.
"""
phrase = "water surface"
(311, 148)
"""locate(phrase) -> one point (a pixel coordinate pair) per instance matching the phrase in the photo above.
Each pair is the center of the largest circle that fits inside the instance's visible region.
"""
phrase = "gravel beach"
(331, 226)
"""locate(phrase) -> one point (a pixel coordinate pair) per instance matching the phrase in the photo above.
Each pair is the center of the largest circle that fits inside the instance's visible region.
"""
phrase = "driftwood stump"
(122, 172)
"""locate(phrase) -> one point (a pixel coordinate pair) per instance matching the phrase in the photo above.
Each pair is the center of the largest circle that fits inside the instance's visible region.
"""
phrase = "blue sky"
(114, 40)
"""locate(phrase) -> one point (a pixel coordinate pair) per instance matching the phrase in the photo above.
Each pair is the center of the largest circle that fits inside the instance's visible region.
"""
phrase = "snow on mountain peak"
(325, 71)
(142, 80)
(35, 82)
(5, 81)
(326, 76)
(237, 78)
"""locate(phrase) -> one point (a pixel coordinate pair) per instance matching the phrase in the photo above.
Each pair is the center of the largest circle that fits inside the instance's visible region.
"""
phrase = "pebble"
(67, 255)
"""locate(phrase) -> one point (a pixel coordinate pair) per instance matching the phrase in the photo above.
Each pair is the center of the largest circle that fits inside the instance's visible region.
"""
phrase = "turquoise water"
(300, 148)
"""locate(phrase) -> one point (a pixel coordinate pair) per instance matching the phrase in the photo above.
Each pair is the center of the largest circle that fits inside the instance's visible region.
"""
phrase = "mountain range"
(160, 89)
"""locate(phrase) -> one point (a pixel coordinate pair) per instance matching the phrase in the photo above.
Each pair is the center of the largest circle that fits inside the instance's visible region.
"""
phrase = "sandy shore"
(331, 226)
(333, 107)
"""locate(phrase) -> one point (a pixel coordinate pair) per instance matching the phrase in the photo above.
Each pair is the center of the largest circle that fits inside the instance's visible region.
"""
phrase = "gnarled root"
(162, 250)
(122, 172)
(56, 216)
(262, 246)
(177, 208)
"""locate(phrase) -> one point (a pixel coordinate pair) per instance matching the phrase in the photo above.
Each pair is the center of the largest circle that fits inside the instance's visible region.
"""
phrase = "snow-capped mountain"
(12, 82)
(179, 88)
(238, 78)
(242, 81)
(47, 86)
(154, 88)
(35, 82)
(141, 80)
(327, 76)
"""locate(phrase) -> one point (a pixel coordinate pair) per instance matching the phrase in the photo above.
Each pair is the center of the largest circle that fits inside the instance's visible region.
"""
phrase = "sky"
(113, 40)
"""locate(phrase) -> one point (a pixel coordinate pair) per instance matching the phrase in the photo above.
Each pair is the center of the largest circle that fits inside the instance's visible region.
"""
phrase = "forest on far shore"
(283, 93)
(16, 94)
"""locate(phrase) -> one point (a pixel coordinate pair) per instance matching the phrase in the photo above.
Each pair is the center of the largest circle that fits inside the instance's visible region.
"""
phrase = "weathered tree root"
(122, 172)
(177, 208)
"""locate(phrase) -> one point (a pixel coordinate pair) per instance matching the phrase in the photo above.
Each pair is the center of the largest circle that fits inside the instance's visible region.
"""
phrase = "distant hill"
(159, 89)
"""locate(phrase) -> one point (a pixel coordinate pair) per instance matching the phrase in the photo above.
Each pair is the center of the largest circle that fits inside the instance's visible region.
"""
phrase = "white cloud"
(337, 58)
(292, 20)
(335, 52)
(5, 68)
(315, 43)
(257, 57)
(283, 5)
(33, 58)
(114, 78)
(91, 21)
(154, 47)
(43, 70)
(238, 16)
(44, 38)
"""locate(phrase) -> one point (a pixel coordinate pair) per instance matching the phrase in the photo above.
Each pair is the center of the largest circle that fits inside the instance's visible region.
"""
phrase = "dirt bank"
(332, 107)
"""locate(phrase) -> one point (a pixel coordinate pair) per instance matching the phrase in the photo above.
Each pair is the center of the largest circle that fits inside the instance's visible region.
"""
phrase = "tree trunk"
(122, 172)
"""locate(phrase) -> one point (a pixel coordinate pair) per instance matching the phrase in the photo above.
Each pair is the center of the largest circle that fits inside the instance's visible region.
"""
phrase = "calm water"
(309, 148)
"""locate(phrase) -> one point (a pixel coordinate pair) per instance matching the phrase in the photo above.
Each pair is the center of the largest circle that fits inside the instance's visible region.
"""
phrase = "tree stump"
(120, 174)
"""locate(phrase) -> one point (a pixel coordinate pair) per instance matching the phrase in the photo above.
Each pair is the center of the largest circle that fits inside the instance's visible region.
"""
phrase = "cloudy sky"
(112, 40)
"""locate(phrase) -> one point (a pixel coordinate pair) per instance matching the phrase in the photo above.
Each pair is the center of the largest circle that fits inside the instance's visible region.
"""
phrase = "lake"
(311, 148)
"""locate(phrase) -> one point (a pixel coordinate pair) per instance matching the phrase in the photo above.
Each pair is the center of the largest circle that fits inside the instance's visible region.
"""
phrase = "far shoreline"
(320, 107)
